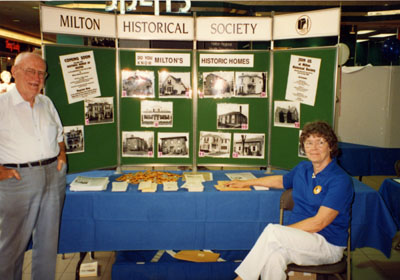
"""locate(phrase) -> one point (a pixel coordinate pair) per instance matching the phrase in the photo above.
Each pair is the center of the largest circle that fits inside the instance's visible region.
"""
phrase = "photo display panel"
(303, 91)
(232, 112)
(156, 107)
(82, 86)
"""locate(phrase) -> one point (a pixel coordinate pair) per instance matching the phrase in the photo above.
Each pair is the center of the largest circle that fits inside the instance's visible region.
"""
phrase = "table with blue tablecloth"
(390, 192)
(363, 160)
(131, 220)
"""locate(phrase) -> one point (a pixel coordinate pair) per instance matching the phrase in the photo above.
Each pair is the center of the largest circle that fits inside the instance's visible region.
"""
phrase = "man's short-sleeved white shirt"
(28, 134)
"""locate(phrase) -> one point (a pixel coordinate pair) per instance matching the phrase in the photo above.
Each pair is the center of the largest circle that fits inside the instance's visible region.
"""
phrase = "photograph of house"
(173, 145)
(214, 144)
(232, 116)
(99, 110)
(174, 84)
(251, 84)
(73, 139)
(137, 143)
(137, 83)
(287, 114)
(218, 84)
(250, 145)
(156, 113)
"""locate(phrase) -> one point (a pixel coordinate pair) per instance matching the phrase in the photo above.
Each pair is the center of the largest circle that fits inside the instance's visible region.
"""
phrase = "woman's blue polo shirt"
(332, 187)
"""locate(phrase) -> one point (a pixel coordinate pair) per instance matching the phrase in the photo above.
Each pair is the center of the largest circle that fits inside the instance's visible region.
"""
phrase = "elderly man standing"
(32, 172)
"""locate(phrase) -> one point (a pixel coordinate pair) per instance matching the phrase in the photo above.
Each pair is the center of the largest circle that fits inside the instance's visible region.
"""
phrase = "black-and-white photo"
(138, 144)
(137, 83)
(287, 114)
(218, 84)
(214, 144)
(251, 84)
(74, 139)
(174, 84)
(301, 152)
(174, 144)
(248, 145)
(99, 110)
(156, 113)
(232, 116)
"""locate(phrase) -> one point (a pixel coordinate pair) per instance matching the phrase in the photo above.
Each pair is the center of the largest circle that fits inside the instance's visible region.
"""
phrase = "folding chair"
(338, 269)
(397, 167)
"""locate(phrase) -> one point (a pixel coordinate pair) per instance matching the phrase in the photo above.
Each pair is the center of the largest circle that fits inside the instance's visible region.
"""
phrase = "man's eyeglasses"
(318, 143)
(32, 72)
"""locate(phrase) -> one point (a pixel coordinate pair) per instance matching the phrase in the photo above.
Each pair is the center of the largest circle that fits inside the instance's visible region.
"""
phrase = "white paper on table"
(145, 185)
(240, 176)
(119, 186)
(170, 186)
(261, 188)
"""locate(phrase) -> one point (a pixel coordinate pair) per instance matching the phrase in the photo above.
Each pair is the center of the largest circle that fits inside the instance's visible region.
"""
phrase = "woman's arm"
(323, 218)
(275, 181)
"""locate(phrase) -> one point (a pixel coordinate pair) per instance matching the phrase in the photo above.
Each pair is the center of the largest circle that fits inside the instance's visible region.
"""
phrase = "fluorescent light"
(22, 38)
(382, 35)
(362, 40)
(83, 6)
(383, 13)
(361, 32)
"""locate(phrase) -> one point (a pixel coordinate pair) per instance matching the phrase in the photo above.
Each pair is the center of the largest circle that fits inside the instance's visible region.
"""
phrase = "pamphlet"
(82, 183)
(88, 269)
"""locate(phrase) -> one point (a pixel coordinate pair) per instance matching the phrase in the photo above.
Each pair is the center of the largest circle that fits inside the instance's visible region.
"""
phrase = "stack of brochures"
(194, 183)
(119, 186)
(147, 186)
(82, 183)
(193, 186)
(170, 186)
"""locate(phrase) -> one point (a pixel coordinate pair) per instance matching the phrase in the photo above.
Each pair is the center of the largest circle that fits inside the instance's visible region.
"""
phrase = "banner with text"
(141, 27)
(233, 29)
(307, 24)
(77, 22)
(226, 60)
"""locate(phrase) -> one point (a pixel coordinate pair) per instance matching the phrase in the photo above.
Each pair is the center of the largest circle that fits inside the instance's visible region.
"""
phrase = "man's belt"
(31, 164)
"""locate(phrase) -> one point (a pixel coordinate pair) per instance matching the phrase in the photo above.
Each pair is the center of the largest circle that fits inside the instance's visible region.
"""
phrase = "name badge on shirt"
(317, 189)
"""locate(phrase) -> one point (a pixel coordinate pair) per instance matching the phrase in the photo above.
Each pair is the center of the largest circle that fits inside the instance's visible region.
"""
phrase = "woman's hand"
(237, 184)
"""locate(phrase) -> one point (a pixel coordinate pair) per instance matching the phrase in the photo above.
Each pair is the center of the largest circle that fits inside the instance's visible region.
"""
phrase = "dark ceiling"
(23, 16)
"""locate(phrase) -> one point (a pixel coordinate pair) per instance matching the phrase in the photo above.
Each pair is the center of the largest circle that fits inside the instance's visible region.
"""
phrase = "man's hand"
(62, 157)
(7, 173)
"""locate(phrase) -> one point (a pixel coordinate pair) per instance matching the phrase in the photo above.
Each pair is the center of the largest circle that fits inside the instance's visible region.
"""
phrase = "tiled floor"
(367, 263)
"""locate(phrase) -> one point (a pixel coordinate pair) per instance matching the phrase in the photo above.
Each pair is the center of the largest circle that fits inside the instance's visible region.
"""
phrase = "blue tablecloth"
(361, 160)
(111, 221)
(390, 192)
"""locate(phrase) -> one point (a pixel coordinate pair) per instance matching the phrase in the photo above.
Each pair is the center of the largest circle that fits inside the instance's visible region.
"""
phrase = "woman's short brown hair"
(320, 129)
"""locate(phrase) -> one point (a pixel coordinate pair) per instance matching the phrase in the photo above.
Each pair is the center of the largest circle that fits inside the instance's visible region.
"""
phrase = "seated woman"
(317, 231)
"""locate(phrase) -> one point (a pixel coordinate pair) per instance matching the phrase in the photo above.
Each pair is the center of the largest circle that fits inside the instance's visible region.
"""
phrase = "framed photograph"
(99, 110)
(138, 144)
(287, 114)
(232, 116)
(74, 139)
(251, 84)
(156, 113)
(218, 84)
(214, 144)
(174, 84)
(248, 145)
(138, 84)
(173, 144)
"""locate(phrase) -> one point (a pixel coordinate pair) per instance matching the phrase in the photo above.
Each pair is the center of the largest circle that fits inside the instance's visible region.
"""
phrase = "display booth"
(150, 107)
(133, 107)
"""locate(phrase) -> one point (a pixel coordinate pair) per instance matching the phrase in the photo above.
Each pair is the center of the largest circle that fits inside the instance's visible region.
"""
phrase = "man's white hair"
(24, 55)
